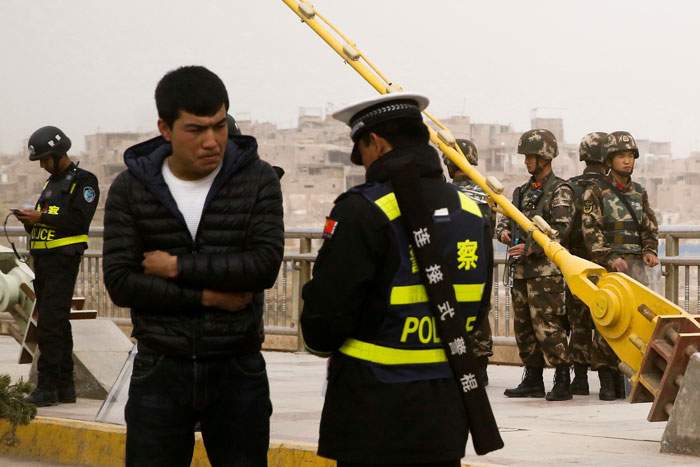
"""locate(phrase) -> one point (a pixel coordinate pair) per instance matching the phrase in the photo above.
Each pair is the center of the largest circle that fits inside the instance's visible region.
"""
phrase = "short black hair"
(193, 89)
(399, 132)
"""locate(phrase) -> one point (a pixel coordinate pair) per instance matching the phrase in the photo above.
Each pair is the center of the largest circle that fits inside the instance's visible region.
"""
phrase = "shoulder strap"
(548, 190)
(417, 219)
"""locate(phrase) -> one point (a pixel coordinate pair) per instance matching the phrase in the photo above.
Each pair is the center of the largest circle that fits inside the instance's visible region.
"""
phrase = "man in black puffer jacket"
(193, 235)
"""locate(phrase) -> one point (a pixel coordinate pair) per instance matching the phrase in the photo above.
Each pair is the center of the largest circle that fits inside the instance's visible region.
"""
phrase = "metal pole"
(671, 249)
(304, 277)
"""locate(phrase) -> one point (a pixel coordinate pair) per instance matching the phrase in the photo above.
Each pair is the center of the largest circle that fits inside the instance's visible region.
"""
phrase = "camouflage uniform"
(538, 287)
(482, 341)
(610, 232)
(577, 313)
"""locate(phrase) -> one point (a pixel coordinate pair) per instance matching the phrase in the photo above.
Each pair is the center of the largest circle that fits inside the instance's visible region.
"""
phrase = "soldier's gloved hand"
(650, 259)
(517, 250)
(505, 237)
(619, 265)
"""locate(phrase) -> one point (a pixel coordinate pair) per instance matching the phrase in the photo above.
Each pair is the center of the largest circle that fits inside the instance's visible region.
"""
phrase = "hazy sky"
(90, 66)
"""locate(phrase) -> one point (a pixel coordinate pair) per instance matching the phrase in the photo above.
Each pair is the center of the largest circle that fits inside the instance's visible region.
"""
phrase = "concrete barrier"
(72, 442)
(682, 434)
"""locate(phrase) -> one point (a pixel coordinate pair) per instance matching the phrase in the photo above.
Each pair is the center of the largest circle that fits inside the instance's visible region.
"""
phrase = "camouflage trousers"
(602, 355)
(480, 339)
(538, 309)
(581, 329)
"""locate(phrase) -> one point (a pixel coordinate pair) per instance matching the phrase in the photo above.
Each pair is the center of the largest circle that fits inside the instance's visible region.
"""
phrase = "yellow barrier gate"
(624, 311)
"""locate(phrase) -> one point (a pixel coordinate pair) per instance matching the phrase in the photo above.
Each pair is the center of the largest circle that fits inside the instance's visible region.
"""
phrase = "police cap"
(364, 115)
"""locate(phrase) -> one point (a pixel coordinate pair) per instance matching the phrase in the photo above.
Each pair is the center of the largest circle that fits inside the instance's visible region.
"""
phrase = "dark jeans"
(229, 397)
(455, 463)
(55, 276)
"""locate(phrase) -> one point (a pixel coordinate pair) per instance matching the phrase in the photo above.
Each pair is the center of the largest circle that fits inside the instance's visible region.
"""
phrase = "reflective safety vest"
(54, 197)
(406, 347)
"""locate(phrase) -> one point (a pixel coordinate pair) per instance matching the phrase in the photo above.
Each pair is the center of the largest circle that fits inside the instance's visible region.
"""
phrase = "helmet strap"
(622, 175)
(56, 160)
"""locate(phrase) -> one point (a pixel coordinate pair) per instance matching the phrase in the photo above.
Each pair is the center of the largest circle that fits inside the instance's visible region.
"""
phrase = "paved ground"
(584, 431)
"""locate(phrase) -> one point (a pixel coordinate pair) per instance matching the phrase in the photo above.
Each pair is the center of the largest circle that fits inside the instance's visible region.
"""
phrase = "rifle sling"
(417, 219)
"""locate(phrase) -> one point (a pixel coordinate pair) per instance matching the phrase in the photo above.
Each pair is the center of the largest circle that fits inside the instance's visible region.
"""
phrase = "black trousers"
(54, 281)
(229, 397)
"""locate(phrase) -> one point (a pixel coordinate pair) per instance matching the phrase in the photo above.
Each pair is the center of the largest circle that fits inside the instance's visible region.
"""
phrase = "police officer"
(58, 228)
(620, 232)
(482, 342)
(391, 396)
(538, 286)
(590, 152)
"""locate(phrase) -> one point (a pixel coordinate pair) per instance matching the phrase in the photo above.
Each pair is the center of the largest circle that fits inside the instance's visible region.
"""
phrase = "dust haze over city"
(91, 68)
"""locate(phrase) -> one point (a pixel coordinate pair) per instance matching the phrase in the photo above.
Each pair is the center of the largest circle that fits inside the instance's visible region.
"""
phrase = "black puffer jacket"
(238, 247)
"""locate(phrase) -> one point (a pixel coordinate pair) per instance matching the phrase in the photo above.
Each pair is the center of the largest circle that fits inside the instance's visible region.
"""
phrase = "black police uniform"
(57, 242)
(391, 397)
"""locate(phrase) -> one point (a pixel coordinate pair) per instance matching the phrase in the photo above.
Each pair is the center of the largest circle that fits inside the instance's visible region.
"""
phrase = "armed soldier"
(58, 227)
(538, 286)
(621, 234)
(580, 341)
(481, 340)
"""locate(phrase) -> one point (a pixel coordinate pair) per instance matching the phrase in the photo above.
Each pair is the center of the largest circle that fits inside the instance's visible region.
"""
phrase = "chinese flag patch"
(329, 228)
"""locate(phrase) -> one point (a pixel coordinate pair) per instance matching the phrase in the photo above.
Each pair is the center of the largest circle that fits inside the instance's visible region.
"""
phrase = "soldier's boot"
(531, 385)
(66, 393)
(607, 384)
(481, 375)
(562, 384)
(619, 381)
(579, 385)
(43, 396)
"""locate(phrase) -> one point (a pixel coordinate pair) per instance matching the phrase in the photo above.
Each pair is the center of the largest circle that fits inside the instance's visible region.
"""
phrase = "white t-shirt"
(189, 195)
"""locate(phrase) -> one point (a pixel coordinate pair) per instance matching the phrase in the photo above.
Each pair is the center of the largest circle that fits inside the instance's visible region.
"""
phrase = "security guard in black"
(58, 228)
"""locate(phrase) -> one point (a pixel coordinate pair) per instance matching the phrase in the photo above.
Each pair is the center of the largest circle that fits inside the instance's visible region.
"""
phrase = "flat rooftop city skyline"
(89, 67)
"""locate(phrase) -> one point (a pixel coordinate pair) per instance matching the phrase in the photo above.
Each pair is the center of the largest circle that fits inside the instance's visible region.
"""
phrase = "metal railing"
(676, 267)
(680, 277)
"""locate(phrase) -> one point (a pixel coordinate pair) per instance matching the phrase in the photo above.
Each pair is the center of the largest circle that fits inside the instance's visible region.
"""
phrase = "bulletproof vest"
(620, 229)
(535, 202)
(54, 198)
(579, 184)
(406, 347)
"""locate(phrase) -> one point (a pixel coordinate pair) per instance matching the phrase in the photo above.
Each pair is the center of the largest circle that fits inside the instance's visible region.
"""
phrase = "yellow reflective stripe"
(42, 245)
(389, 206)
(409, 294)
(469, 204)
(390, 356)
(72, 187)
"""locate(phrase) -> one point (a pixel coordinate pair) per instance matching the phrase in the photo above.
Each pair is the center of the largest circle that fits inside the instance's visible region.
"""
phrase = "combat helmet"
(48, 141)
(592, 147)
(540, 142)
(470, 152)
(618, 141)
